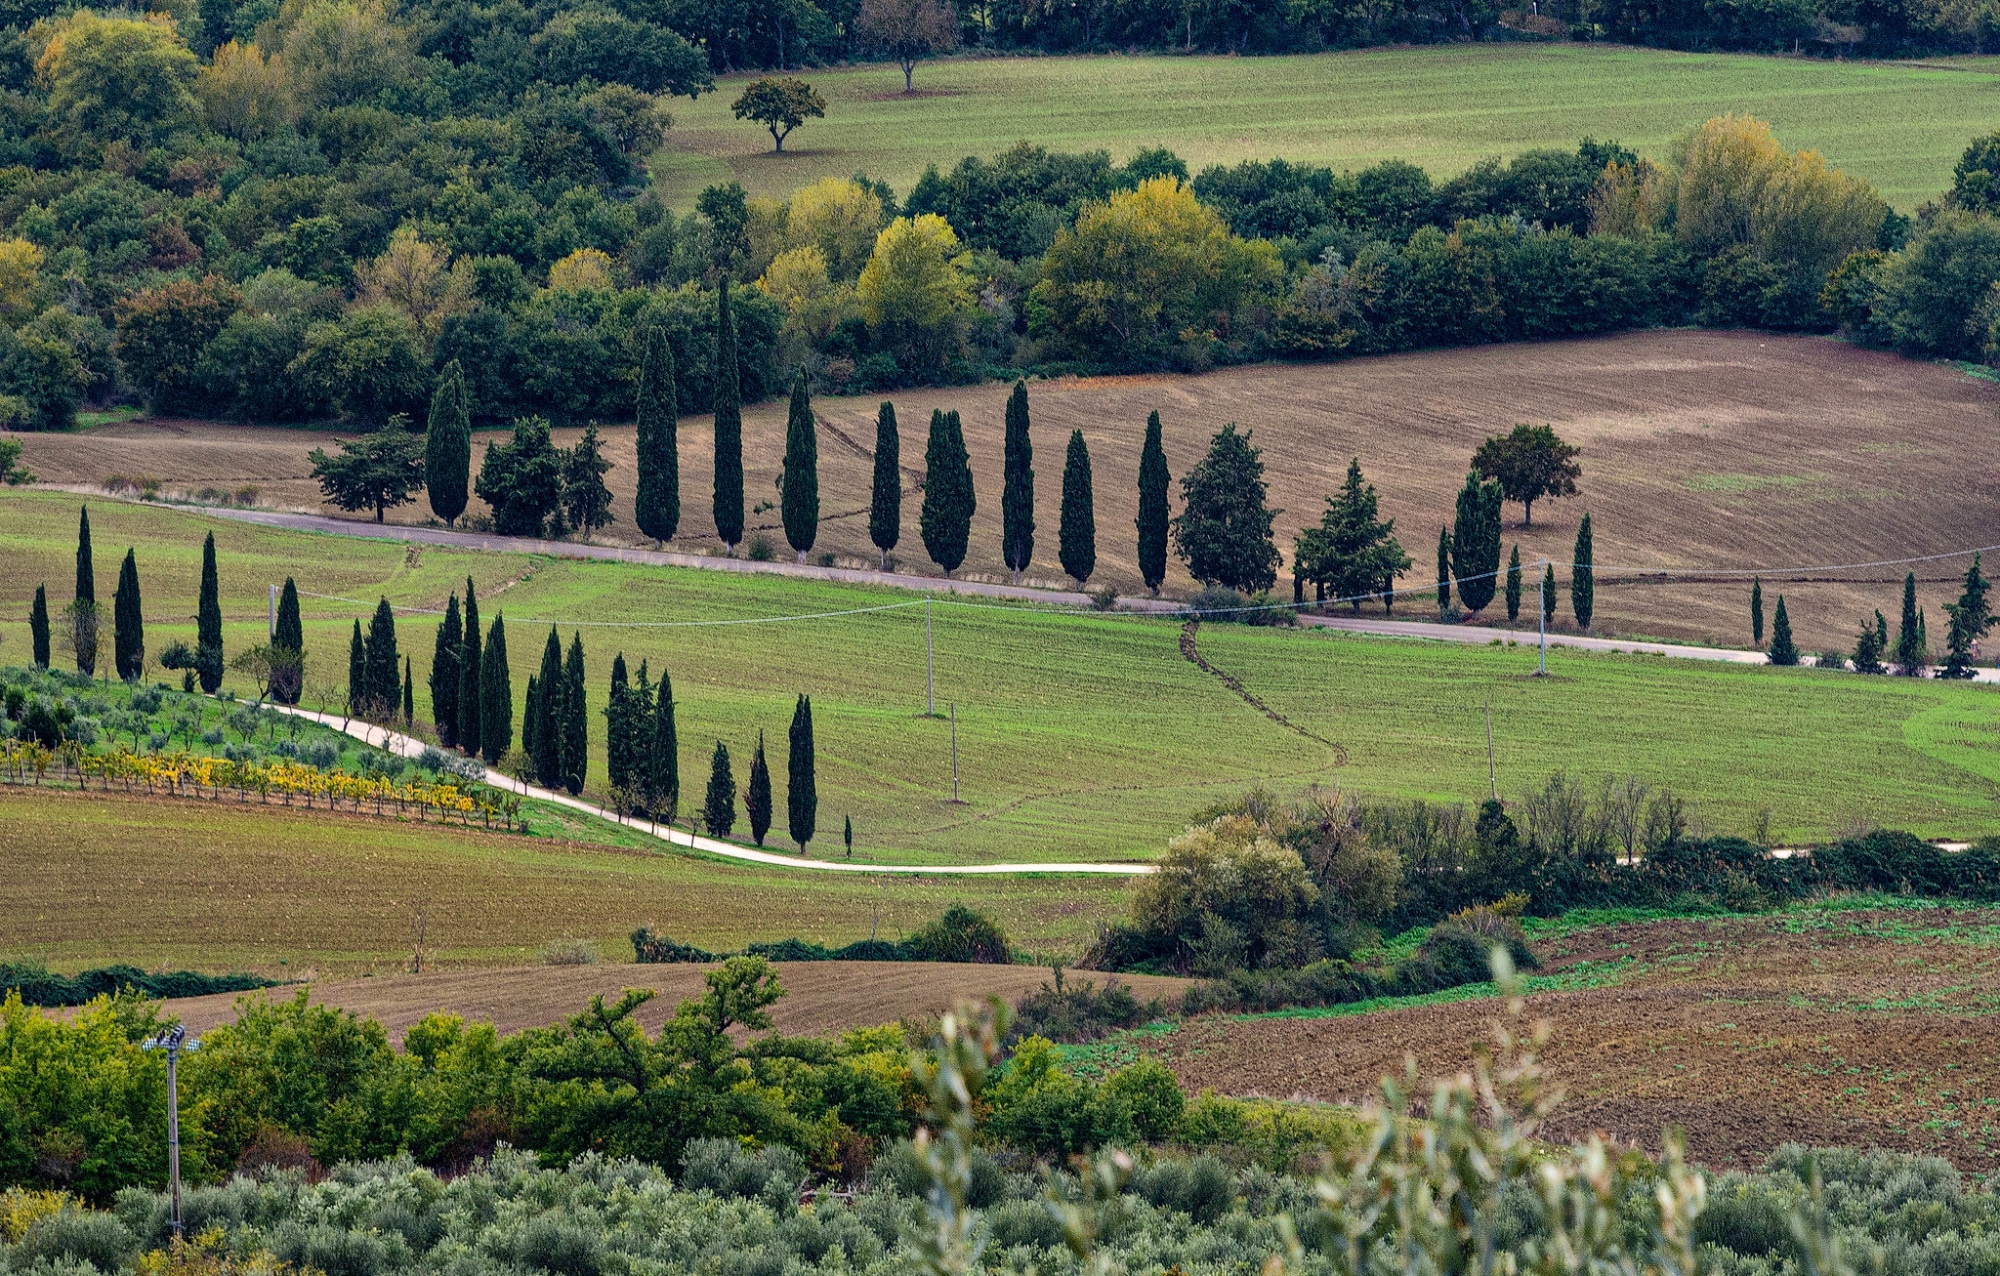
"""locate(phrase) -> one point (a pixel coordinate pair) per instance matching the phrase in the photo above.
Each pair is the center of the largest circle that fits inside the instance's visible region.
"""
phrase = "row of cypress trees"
(642, 744)
(555, 732)
(718, 809)
(1469, 550)
(472, 692)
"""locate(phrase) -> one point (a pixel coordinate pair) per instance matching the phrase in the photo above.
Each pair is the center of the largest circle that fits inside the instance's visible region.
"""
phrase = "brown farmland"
(1871, 1029)
(1700, 449)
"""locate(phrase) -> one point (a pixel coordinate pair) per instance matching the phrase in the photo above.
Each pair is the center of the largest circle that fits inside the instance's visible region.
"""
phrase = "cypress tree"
(801, 786)
(1782, 650)
(382, 681)
(658, 507)
(1444, 571)
(496, 694)
(1077, 539)
(885, 506)
(618, 727)
(409, 693)
(1017, 487)
(946, 517)
(38, 626)
(1514, 584)
(575, 725)
(757, 795)
(448, 445)
(85, 624)
(1757, 610)
(289, 636)
(531, 716)
(469, 683)
(1882, 630)
(663, 760)
(548, 714)
(444, 674)
(1970, 619)
(718, 808)
(1582, 581)
(1475, 542)
(798, 501)
(208, 622)
(1154, 478)
(847, 835)
(1910, 654)
(357, 674)
(1549, 594)
(128, 626)
(728, 426)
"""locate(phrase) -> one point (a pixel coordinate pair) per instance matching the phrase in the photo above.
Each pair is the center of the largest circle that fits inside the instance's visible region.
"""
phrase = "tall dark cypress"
(658, 508)
(444, 674)
(468, 675)
(208, 622)
(1757, 610)
(1783, 652)
(38, 626)
(128, 626)
(663, 758)
(84, 636)
(496, 694)
(618, 727)
(1017, 486)
(728, 425)
(946, 517)
(801, 786)
(575, 722)
(531, 717)
(448, 445)
(885, 505)
(718, 808)
(1548, 593)
(357, 675)
(1910, 654)
(799, 501)
(383, 678)
(1444, 570)
(757, 794)
(1514, 584)
(409, 693)
(1475, 542)
(1077, 536)
(1582, 579)
(548, 736)
(1154, 479)
(289, 636)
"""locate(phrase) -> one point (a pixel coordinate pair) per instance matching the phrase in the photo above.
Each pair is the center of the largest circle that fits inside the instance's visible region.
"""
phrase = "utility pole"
(1542, 618)
(1492, 776)
(173, 1041)
(271, 616)
(954, 754)
(930, 675)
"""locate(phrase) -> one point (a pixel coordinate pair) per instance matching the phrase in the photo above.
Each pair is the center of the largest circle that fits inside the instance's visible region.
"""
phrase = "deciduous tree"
(908, 30)
(1531, 464)
(780, 104)
(523, 480)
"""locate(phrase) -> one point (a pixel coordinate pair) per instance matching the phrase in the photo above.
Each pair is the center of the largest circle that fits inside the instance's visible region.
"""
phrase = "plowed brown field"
(1700, 449)
(1872, 1029)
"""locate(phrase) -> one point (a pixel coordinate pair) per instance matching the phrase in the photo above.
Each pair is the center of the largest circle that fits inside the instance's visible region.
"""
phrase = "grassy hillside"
(1083, 736)
(1899, 125)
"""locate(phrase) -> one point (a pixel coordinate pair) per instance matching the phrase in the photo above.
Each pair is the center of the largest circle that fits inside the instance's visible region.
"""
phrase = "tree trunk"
(379, 506)
(909, 67)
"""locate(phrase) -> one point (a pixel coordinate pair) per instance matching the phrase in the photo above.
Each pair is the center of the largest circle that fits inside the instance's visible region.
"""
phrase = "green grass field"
(1083, 736)
(1900, 125)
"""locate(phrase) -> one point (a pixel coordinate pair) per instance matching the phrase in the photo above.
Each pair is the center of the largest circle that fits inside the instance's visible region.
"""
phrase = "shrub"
(1073, 1013)
(961, 934)
(78, 1237)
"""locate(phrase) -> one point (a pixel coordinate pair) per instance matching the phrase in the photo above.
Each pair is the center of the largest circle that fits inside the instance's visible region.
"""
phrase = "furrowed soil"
(1869, 1028)
(1700, 450)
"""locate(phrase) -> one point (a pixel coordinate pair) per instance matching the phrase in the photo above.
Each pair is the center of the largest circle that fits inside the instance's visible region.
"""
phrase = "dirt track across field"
(1700, 449)
(820, 996)
(1862, 1029)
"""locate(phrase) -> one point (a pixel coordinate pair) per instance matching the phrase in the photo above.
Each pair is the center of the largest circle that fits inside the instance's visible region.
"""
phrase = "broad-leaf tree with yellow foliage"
(114, 79)
(914, 291)
(245, 94)
(416, 278)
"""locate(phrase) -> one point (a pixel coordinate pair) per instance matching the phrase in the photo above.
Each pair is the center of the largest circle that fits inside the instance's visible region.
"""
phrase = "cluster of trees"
(1909, 656)
(78, 626)
(718, 808)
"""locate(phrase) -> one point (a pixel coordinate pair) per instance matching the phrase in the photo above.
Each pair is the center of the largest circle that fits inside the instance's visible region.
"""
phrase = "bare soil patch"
(1876, 1030)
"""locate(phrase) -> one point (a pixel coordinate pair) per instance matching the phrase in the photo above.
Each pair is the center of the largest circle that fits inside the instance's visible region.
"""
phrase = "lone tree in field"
(1970, 619)
(798, 501)
(208, 622)
(1582, 578)
(1444, 571)
(1531, 464)
(448, 445)
(908, 30)
(470, 658)
(946, 517)
(780, 104)
(1017, 485)
(1757, 610)
(1475, 542)
(1783, 651)
(496, 694)
(801, 779)
(728, 426)
(1223, 532)
(1911, 649)
(38, 626)
(1353, 552)
(662, 787)
(718, 808)
(657, 509)
(379, 471)
(1077, 536)
(584, 495)
(757, 794)
(445, 645)
(128, 624)
(82, 615)
(288, 648)
(1514, 584)
(885, 504)
(1153, 521)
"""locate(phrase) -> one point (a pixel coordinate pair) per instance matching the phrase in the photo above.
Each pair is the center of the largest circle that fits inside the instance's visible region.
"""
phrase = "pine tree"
(657, 509)
(1514, 584)
(728, 426)
(1757, 610)
(663, 759)
(1223, 532)
(1077, 538)
(798, 499)
(38, 626)
(1910, 654)
(548, 714)
(1782, 650)
(1868, 646)
(1444, 571)
(496, 694)
(1154, 478)
(757, 794)
(409, 694)
(1881, 631)
(618, 727)
(289, 637)
(84, 618)
(208, 622)
(444, 674)
(1353, 553)
(584, 496)
(1475, 542)
(575, 724)
(1970, 619)
(1548, 594)
(128, 626)
(357, 675)
(946, 517)
(718, 808)
(885, 506)
(383, 676)
(469, 683)
(1582, 581)
(1017, 487)
(448, 445)
(801, 784)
